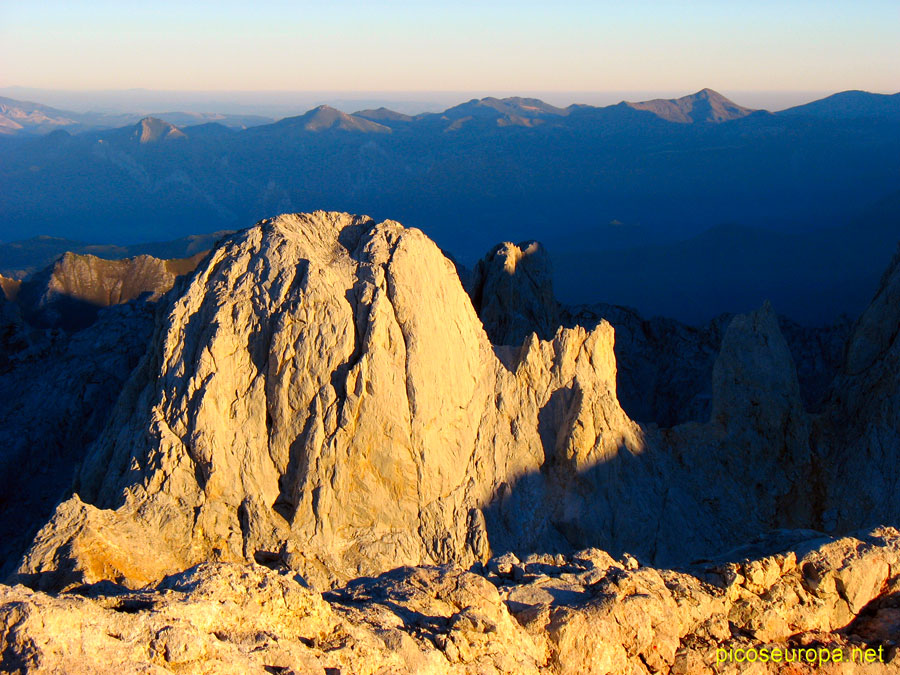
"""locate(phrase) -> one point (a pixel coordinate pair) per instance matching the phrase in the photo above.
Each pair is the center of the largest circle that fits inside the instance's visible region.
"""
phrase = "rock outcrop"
(320, 398)
(806, 605)
(321, 393)
(68, 293)
(512, 290)
(664, 367)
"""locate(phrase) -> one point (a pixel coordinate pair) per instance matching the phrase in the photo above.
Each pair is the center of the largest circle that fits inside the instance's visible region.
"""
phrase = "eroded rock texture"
(323, 391)
(322, 394)
(69, 293)
(321, 397)
(581, 614)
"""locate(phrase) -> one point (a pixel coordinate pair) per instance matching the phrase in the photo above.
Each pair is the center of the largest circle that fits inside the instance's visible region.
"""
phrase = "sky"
(489, 46)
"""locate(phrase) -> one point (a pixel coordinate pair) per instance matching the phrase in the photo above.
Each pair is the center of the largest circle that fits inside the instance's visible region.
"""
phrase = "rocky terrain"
(323, 408)
(819, 606)
(68, 293)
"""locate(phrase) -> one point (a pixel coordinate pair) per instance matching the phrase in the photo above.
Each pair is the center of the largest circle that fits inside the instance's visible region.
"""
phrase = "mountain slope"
(322, 394)
(326, 118)
(70, 293)
(19, 259)
(850, 105)
(704, 106)
(153, 130)
(28, 117)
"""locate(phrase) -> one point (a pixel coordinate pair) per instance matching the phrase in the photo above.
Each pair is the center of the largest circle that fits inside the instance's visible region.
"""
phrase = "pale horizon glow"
(492, 47)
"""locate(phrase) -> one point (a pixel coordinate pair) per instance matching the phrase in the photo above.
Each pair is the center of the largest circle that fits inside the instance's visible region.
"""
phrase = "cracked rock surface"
(321, 417)
(585, 613)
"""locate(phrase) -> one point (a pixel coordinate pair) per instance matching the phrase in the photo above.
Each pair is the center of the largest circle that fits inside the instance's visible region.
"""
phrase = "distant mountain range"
(25, 117)
(849, 105)
(591, 182)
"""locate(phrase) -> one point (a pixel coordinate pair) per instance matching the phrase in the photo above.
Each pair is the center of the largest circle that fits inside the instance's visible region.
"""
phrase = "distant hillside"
(153, 130)
(25, 118)
(326, 118)
(849, 105)
(633, 178)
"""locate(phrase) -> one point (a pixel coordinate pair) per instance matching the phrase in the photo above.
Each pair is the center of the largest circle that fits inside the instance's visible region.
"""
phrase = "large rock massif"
(321, 397)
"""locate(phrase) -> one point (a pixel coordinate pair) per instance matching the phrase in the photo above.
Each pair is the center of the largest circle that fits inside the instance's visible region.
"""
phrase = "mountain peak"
(706, 105)
(153, 130)
(324, 117)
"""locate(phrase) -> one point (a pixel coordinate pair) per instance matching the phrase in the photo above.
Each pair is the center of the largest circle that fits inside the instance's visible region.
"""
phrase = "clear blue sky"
(807, 45)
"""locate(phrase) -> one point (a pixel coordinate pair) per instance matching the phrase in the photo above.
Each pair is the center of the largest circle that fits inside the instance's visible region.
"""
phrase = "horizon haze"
(496, 46)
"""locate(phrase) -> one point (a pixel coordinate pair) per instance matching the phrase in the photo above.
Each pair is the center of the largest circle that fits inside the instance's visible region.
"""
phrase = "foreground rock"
(586, 614)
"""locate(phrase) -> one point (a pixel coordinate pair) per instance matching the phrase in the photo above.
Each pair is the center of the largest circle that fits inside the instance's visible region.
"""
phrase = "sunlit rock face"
(826, 604)
(69, 293)
(321, 395)
(323, 392)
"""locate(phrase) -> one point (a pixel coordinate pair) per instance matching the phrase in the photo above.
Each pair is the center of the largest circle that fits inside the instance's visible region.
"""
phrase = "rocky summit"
(334, 459)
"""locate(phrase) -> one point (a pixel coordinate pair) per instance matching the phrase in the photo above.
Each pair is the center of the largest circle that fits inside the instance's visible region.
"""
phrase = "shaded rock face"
(322, 394)
(68, 293)
(58, 388)
(512, 290)
(665, 367)
(581, 614)
(12, 330)
(860, 433)
(58, 391)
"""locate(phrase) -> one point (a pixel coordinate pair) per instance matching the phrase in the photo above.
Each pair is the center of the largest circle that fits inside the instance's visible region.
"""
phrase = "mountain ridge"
(39, 118)
(704, 106)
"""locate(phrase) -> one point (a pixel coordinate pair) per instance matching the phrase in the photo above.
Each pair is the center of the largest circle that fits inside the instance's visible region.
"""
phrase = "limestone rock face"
(583, 613)
(860, 429)
(323, 392)
(322, 395)
(512, 290)
(68, 293)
